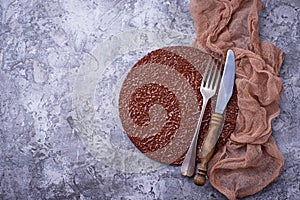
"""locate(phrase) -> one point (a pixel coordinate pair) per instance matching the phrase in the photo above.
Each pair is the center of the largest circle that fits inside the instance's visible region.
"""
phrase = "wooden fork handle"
(208, 147)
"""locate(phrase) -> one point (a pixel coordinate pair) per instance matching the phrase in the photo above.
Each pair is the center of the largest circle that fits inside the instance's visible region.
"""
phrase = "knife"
(216, 122)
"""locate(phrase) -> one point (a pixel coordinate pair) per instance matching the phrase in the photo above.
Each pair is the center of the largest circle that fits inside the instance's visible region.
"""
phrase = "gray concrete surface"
(60, 136)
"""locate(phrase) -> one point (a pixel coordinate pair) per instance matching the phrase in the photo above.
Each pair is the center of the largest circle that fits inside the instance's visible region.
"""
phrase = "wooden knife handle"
(208, 147)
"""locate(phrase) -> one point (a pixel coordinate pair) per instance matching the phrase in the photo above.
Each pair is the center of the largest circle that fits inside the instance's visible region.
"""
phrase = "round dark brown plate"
(160, 103)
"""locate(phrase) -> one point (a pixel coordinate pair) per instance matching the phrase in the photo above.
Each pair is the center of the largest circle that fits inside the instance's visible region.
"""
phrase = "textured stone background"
(44, 153)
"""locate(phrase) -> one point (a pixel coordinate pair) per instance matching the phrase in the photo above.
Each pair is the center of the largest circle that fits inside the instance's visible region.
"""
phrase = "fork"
(209, 84)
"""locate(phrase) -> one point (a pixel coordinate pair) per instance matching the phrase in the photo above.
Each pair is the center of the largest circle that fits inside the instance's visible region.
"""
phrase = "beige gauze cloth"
(250, 160)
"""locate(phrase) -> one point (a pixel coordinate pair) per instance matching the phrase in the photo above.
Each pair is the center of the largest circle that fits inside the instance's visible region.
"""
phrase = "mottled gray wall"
(51, 149)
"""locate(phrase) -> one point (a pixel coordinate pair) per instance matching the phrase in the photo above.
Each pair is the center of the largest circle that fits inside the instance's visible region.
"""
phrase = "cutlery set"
(210, 82)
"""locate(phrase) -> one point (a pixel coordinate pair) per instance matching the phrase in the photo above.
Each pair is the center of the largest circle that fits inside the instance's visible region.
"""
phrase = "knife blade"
(227, 83)
(216, 122)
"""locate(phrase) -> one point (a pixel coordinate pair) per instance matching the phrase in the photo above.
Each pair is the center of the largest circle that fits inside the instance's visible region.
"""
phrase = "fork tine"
(212, 72)
(205, 76)
(219, 70)
(213, 85)
(212, 68)
(209, 76)
(213, 79)
(216, 75)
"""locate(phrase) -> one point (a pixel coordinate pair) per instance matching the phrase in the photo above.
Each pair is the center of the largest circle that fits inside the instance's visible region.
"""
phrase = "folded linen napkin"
(250, 160)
